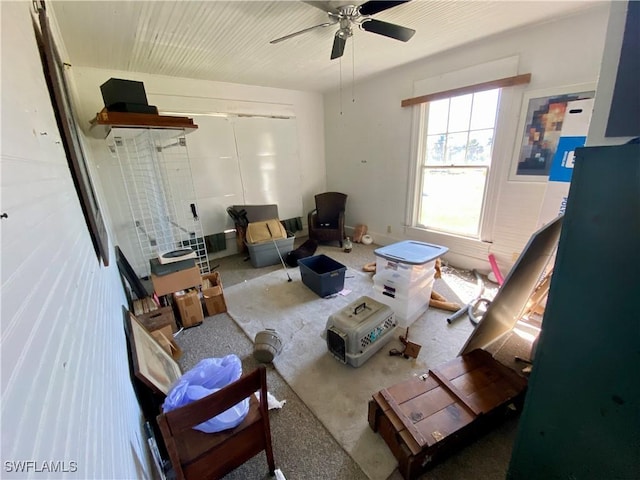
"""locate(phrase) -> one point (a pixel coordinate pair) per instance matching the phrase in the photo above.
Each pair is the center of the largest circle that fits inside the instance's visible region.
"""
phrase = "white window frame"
(505, 128)
(422, 167)
(500, 158)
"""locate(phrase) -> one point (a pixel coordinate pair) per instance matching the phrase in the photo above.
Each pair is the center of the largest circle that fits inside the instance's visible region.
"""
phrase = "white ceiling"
(228, 41)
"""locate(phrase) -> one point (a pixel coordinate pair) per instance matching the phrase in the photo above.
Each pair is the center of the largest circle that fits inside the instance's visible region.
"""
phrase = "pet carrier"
(359, 330)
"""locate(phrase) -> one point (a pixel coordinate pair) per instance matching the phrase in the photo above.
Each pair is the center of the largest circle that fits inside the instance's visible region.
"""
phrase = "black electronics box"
(125, 96)
(159, 269)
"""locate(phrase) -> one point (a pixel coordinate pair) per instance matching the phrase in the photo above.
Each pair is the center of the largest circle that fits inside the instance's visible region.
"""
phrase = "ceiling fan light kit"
(349, 15)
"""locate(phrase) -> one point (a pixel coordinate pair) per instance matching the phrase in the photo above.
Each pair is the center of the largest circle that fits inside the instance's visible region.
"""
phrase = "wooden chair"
(198, 455)
(326, 221)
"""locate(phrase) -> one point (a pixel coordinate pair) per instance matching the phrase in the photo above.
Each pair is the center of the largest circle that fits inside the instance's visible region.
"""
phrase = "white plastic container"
(409, 259)
(401, 281)
(407, 307)
(405, 273)
(403, 290)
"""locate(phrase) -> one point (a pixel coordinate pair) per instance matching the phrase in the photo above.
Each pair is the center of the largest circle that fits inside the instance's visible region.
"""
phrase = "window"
(455, 161)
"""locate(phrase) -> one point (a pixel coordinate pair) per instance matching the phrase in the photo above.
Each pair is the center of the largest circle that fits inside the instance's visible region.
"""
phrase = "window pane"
(452, 199)
(438, 117)
(457, 155)
(485, 105)
(435, 149)
(460, 113)
(479, 148)
(456, 148)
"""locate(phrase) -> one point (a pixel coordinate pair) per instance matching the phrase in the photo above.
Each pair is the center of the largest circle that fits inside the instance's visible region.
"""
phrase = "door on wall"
(158, 183)
(241, 161)
(269, 164)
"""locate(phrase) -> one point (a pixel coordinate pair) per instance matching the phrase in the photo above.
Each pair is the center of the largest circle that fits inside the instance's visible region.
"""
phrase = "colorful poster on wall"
(573, 135)
(541, 124)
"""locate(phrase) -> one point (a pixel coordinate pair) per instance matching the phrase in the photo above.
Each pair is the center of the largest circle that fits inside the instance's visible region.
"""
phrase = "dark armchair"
(326, 221)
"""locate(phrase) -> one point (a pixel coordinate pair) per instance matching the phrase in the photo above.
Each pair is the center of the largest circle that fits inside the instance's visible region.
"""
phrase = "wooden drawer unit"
(424, 419)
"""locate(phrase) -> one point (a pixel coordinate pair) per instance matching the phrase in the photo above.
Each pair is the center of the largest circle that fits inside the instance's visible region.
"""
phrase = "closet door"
(269, 163)
(244, 161)
(216, 172)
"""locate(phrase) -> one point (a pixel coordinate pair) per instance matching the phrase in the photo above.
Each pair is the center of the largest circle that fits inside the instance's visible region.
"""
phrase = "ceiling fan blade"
(391, 30)
(374, 6)
(294, 34)
(338, 46)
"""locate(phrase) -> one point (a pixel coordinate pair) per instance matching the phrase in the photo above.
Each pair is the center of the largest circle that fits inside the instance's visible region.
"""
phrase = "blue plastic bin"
(322, 274)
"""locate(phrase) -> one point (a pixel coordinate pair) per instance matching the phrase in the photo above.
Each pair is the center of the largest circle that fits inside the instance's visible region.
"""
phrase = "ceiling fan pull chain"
(340, 60)
(353, 70)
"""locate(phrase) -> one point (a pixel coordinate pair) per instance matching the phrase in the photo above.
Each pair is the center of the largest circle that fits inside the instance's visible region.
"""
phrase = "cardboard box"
(176, 281)
(159, 318)
(190, 308)
(213, 293)
(165, 339)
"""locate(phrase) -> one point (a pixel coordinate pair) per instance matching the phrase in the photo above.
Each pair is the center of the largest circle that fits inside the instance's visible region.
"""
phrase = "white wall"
(182, 95)
(369, 144)
(66, 391)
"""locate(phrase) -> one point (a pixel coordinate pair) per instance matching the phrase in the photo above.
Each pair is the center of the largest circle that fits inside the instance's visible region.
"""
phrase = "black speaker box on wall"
(118, 93)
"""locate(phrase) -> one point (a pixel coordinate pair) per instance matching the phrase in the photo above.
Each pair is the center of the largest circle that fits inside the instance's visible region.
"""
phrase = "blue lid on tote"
(409, 251)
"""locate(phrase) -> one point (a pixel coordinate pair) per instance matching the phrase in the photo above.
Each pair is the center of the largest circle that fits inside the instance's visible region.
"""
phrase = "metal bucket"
(267, 345)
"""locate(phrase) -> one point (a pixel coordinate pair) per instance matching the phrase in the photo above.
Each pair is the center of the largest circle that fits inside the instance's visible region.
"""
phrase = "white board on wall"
(244, 161)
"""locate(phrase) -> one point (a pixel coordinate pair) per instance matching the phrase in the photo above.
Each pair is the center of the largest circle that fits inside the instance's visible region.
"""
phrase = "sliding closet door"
(216, 172)
(244, 160)
(269, 163)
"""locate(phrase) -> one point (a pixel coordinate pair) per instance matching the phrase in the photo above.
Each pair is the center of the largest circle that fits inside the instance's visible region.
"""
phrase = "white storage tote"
(405, 272)
(407, 307)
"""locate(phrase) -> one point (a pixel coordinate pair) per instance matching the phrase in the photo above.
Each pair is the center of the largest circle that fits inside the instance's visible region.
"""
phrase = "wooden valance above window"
(478, 87)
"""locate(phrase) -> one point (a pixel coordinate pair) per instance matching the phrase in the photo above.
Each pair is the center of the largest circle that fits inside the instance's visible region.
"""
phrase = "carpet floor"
(322, 431)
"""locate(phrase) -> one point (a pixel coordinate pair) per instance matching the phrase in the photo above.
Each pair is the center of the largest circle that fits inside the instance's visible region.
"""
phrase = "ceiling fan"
(346, 16)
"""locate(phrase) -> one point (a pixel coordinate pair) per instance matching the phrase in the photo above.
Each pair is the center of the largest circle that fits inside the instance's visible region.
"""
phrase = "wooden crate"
(157, 319)
(424, 419)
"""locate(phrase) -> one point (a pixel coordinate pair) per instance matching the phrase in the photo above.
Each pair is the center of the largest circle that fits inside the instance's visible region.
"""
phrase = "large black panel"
(582, 410)
(624, 115)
